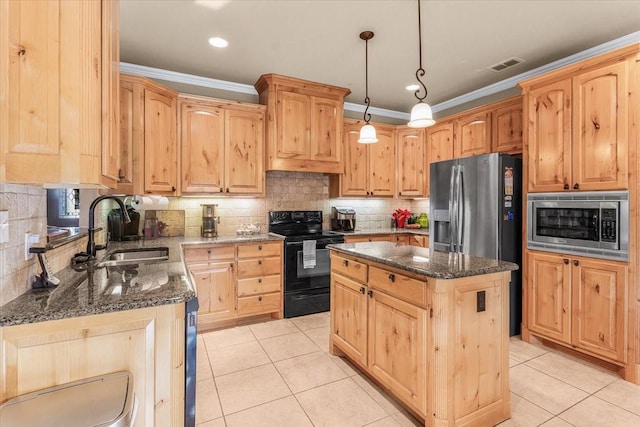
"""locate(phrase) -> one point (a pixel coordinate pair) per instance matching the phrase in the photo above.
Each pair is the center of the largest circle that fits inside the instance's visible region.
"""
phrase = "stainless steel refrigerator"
(476, 209)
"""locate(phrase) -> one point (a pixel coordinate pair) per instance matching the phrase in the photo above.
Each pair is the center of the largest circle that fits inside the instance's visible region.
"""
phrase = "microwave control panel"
(608, 225)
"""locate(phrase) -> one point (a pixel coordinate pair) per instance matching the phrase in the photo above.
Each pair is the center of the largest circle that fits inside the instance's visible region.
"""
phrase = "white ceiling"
(319, 40)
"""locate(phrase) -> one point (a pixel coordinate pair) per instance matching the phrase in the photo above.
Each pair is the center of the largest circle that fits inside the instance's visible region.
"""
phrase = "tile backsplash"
(27, 206)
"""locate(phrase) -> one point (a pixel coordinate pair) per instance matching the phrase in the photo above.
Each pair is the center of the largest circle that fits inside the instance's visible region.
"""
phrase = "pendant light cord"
(420, 71)
(367, 101)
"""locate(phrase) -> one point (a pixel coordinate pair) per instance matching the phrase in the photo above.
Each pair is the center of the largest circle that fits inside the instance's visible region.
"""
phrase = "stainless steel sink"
(135, 256)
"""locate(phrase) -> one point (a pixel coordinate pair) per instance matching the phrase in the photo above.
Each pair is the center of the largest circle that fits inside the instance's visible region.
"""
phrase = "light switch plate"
(29, 239)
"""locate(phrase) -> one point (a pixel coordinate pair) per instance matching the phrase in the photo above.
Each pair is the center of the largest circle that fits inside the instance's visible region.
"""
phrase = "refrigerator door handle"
(453, 209)
(460, 213)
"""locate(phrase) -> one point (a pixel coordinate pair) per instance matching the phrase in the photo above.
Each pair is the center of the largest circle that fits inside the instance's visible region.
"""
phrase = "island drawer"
(259, 267)
(259, 285)
(261, 249)
(349, 267)
(257, 304)
(411, 290)
(206, 253)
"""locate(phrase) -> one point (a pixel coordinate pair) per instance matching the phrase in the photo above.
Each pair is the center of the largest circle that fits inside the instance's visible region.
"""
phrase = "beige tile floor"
(280, 373)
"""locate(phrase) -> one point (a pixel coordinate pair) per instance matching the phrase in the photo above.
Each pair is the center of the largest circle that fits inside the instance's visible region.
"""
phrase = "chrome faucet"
(91, 244)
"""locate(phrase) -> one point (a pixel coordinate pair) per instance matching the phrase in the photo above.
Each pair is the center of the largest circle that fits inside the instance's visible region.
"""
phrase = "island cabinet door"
(397, 348)
(349, 314)
(216, 290)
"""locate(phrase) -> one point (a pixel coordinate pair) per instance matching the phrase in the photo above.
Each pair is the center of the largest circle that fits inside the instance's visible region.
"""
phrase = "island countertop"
(86, 290)
(429, 263)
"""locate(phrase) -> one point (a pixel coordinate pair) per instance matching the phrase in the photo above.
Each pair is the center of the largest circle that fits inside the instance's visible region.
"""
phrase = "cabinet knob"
(221, 189)
(231, 264)
(260, 298)
(566, 186)
(121, 175)
(370, 293)
(260, 280)
(259, 262)
(372, 193)
(576, 186)
(576, 262)
(392, 277)
(209, 251)
(399, 193)
(345, 262)
(259, 247)
(566, 260)
(227, 189)
(362, 290)
(173, 188)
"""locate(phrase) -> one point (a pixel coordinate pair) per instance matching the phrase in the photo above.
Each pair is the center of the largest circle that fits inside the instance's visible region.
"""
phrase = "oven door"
(298, 278)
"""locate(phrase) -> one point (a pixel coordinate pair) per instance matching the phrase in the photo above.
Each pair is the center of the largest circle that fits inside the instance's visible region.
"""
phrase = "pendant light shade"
(421, 115)
(368, 135)
(367, 132)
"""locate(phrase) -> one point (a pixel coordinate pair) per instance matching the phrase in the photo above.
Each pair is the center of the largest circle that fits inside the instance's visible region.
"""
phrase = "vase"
(400, 222)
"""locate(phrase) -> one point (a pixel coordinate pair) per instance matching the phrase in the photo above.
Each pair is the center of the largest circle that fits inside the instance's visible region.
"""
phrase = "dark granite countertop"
(88, 290)
(429, 263)
(370, 231)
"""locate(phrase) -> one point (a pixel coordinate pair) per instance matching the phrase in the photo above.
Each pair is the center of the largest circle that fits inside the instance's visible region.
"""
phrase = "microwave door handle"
(460, 221)
(451, 210)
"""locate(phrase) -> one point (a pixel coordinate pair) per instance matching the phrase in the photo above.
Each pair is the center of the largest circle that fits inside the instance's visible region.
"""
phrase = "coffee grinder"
(209, 221)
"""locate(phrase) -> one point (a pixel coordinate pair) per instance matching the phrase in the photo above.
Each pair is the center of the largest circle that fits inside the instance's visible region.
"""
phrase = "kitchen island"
(431, 328)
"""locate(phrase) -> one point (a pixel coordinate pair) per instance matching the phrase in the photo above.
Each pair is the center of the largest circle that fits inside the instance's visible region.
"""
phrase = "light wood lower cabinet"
(424, 340)
(580, 302)
(236, 280)
(147, 342)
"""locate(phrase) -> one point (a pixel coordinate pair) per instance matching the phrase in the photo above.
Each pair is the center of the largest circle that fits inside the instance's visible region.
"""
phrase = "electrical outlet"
(4, 226)
(29, 239)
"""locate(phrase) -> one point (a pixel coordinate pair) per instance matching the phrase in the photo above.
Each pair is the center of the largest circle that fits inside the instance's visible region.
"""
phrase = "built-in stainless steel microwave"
(594, 223)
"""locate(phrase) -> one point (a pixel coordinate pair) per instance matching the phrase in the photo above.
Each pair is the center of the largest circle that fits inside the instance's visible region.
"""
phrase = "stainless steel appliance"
(343, 219)
(475, 208)
(209, 221)
(584, 223)
(306, 284)
(190, 342)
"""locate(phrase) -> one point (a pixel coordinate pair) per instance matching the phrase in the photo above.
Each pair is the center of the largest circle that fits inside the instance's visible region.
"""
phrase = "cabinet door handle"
(362, 290)
(260, 280)
(372, 193)
(260, 298)
(576, 186)
(221, 189)
(259, 262)
(173, 188)
(392, 277)
(566, 186)
(121, 174)
(576, 262)
(231, 264)
(209, 251)
(399, 193)
(345, 262)
(370, 293)
(566, 260)
(259, 247)
(227, 189)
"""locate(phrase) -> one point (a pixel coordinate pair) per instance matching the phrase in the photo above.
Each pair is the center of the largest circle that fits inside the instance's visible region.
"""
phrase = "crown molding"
(509, 83)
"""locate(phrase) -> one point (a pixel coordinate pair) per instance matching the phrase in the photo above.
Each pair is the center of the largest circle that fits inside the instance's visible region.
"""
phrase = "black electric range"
(307, 267)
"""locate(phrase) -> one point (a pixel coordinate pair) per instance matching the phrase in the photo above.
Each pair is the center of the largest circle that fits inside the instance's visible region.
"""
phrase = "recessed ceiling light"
(413, 87)
(218, 42)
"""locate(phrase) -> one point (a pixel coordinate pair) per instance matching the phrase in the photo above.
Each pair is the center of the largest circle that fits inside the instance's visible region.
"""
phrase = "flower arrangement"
(401, 216)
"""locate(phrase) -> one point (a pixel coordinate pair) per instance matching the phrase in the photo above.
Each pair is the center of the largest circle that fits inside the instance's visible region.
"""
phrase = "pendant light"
(367, 132)
(421, 115)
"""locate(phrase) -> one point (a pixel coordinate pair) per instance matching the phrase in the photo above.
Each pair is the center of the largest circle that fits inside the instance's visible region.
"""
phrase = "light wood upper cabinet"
(222, 146)
(148, 137)
(304, 124)
(111, 169)
(370, 167)
(580, 302)
(507, 128)
(473, 134)
(440, 142)
(577, 130)
(410, 145)
(58, 92)
(600, 123)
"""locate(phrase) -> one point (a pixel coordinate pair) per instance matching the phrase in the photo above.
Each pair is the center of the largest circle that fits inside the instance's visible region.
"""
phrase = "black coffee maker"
(118, 230)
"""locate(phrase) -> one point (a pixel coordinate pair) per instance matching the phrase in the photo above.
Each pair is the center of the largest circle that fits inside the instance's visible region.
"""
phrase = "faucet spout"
(91, 244)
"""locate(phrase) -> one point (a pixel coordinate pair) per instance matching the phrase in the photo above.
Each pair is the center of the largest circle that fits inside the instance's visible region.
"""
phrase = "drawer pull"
(362, 290)
(345, 262)
(260, 298)
(392, 277)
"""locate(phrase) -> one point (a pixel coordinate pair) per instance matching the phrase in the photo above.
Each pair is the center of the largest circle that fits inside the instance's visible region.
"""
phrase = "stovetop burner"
(300, 225)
